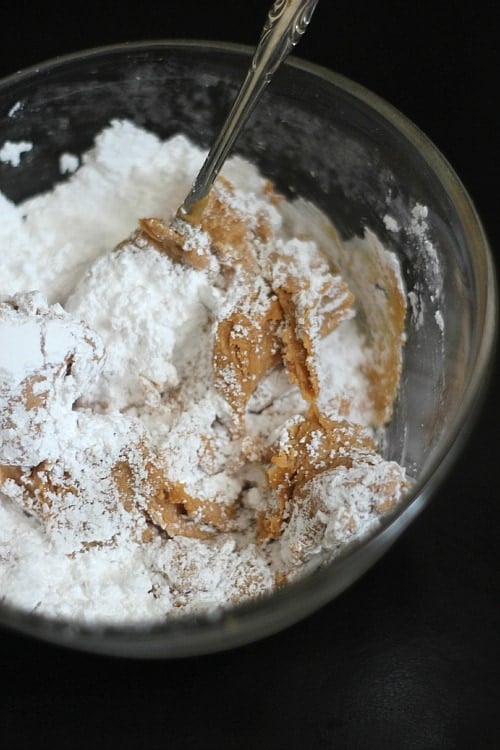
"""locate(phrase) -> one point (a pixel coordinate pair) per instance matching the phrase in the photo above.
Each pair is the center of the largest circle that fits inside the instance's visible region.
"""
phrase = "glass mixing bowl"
(328, 140)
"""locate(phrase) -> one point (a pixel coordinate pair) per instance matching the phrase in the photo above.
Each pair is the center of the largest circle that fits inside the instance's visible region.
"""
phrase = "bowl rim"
(191, 635)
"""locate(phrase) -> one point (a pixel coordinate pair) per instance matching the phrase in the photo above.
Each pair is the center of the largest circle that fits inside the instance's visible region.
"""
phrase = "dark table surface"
(409, 657)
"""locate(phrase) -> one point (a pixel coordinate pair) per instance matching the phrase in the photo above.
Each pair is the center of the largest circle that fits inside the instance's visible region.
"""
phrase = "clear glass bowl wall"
(328, 140)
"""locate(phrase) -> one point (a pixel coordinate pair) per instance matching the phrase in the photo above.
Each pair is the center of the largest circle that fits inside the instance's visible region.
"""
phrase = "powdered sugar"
(130, 173)
(428, 290)
(169, 309)
(68, 163)
(48, 359)
(12, 151)
(109, 405)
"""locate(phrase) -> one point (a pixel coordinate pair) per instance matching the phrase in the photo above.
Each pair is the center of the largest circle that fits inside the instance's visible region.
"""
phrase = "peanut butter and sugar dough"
(189, 419)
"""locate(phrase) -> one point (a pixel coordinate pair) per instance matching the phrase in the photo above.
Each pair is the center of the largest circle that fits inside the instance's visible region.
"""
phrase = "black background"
(409, 657)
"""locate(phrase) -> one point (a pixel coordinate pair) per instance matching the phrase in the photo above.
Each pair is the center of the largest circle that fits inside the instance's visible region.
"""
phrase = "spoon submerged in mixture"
(286, 23)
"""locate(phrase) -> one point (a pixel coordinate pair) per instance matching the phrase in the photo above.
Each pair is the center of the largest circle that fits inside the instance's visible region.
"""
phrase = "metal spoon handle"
(286, 22)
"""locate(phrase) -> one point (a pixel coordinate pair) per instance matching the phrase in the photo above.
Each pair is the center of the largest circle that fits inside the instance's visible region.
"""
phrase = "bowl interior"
(330, 142)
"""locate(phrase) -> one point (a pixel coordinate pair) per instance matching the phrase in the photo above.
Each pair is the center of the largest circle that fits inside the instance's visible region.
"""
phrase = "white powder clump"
(68, 163)
(11, 151)
(48, 359)
(391, 224)
(168, 304)
(51, 239)
(425, 296)
(187, 413)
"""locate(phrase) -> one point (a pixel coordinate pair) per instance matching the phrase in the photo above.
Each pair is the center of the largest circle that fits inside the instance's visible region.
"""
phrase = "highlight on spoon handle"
(286, 22)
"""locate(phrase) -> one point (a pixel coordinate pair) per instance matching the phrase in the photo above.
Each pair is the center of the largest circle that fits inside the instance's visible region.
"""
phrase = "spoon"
(286, 22)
